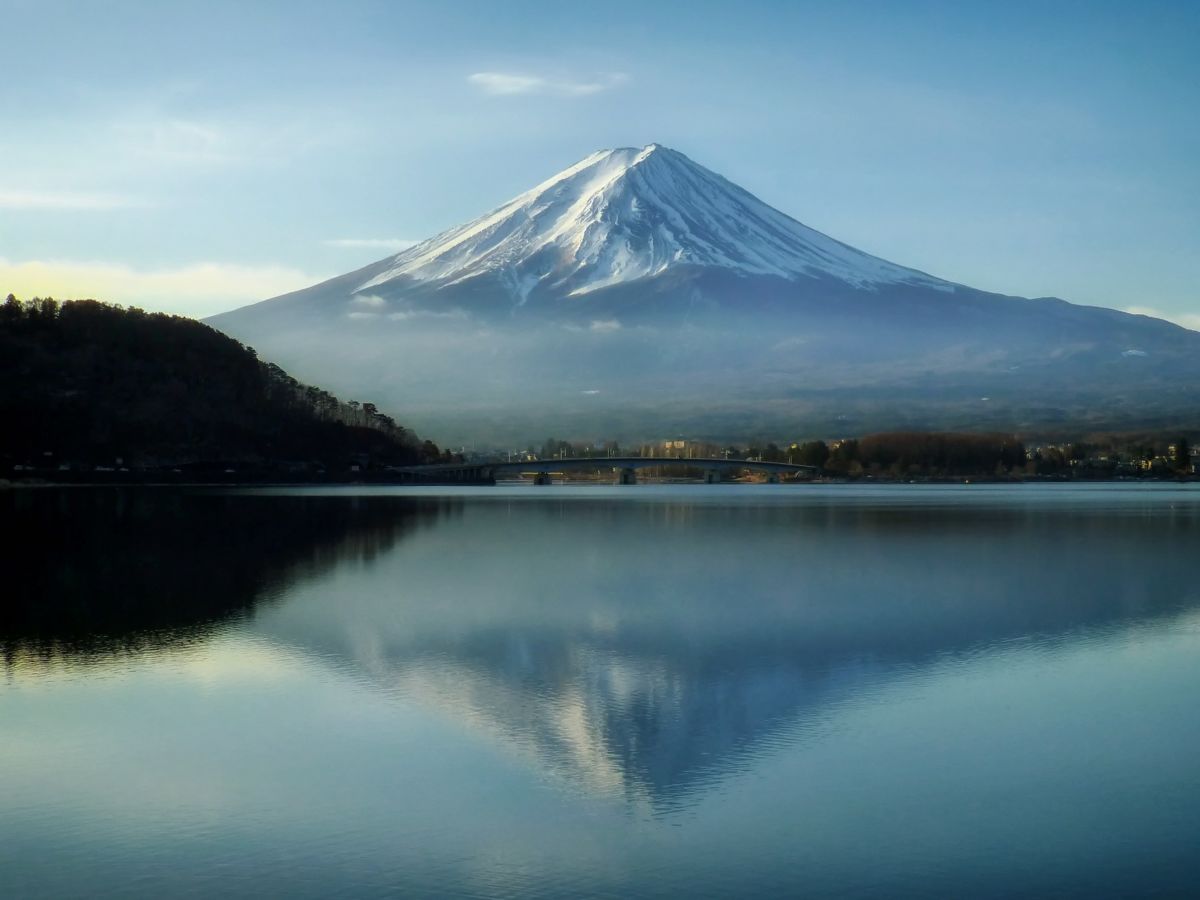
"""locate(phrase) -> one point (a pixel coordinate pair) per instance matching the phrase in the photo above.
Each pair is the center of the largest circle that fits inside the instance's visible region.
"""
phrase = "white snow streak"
(620, 215)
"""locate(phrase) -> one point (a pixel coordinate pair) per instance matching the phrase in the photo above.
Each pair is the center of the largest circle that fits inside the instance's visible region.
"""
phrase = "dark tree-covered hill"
(87, 383)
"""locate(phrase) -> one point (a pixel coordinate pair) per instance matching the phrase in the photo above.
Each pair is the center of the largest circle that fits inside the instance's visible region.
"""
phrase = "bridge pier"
(626, 476)
(772, 478)
(543, 478)
(712, 476)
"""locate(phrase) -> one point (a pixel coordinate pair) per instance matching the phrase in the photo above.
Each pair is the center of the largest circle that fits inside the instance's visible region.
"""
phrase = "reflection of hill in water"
(643, 649)
(89, 572)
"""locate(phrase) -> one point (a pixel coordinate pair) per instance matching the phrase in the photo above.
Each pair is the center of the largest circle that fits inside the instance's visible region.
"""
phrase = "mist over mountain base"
(731, 359)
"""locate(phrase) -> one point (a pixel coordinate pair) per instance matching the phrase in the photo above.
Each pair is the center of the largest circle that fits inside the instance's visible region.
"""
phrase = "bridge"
(624, 468)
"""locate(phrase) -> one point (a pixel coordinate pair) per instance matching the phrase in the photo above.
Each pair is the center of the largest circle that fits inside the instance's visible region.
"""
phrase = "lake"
(644, 691)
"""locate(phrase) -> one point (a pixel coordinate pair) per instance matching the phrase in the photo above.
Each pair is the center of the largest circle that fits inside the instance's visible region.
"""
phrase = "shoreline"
(38, 482)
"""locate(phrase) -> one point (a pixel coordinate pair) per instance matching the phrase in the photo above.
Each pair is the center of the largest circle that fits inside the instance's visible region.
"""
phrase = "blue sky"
(195, 157)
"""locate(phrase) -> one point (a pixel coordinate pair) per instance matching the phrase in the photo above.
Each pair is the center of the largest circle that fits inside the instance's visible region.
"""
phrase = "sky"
(196, 157)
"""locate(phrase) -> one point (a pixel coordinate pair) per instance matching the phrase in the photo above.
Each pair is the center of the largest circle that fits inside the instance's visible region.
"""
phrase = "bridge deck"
(485, 470)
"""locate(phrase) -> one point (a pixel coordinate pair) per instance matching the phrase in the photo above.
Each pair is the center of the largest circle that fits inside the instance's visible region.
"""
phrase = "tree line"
(892, 453)
(917, 453)
(928, 455)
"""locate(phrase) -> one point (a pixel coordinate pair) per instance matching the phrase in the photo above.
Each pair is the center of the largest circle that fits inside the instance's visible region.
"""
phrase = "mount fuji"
(636, 294)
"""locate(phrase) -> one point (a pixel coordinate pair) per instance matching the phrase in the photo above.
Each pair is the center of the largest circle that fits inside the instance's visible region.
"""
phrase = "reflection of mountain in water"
(642, 649)
(94, 571)
(636, 649)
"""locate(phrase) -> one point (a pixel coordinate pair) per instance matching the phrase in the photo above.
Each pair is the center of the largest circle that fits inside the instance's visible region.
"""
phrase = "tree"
(844, 457)
(11, 312)
(810, 453)
(1183, 455)
(772, 454)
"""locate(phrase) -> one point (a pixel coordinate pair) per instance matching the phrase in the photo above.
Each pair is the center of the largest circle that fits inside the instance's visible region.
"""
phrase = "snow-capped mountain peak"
(637, 294)
(625, 214)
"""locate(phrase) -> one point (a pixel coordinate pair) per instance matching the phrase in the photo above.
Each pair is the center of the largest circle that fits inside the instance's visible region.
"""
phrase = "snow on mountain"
(620, 215)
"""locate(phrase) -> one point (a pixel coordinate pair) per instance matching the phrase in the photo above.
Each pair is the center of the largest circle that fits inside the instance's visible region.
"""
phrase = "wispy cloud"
(1187, 320)
(404, 315)
(596, 326)
(371, 243)
(197, 289)
(258, 137)
(73, 200)
(180, 141)
(508, 84)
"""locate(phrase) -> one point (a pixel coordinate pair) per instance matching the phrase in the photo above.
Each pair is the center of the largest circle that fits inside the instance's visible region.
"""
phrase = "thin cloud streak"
(509, 84)
(197, 289)
(371, 243)
(183, 141)
(1187, 320)
(67, 200)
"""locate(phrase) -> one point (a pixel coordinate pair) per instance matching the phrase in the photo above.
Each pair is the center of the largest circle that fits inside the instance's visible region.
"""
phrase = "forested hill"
(84, 383)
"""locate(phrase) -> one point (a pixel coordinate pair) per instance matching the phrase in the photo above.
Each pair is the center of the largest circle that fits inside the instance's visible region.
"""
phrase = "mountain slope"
(637, 292)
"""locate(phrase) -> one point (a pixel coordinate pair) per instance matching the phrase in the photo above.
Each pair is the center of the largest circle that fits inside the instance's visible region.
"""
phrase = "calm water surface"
(644, 691)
